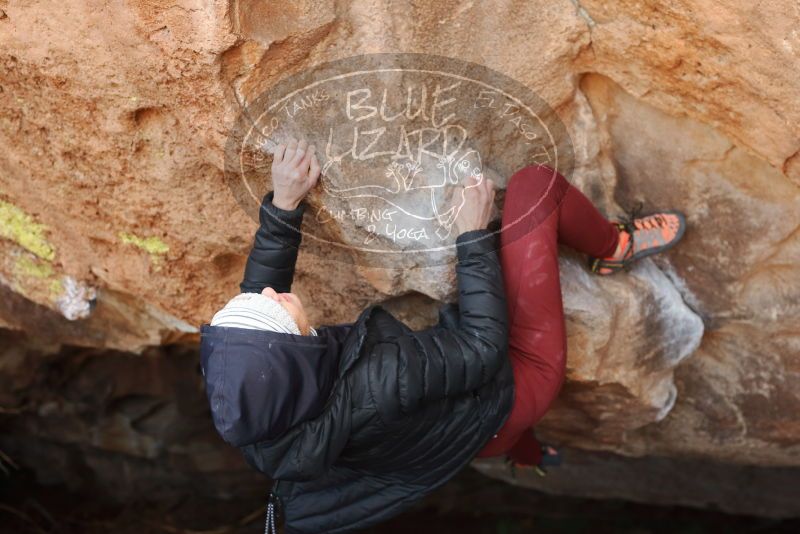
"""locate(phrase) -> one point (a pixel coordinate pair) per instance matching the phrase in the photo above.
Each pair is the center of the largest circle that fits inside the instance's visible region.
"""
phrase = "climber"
(355, 423)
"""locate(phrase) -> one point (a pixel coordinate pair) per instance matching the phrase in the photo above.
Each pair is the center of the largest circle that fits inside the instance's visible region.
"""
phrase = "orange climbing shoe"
(641, 236)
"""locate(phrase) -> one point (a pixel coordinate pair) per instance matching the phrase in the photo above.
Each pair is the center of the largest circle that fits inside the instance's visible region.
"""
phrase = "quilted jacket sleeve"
(458, 355)
(277, 240)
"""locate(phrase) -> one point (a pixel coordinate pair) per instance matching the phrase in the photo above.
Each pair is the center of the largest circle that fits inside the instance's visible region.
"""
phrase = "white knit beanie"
(256, 312)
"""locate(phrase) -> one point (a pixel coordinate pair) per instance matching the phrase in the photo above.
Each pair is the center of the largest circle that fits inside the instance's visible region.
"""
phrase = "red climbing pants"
(541, 210)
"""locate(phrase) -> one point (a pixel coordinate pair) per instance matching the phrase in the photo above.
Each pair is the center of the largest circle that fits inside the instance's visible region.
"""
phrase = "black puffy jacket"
(359, 423)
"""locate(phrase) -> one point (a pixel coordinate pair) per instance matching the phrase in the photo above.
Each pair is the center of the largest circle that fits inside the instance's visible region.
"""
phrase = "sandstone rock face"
(736, 392)
(118, 229)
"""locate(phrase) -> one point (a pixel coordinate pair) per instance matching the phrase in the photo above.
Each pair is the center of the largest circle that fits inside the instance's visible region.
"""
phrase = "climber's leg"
(582, 227)
(537, 340)
(541, 209)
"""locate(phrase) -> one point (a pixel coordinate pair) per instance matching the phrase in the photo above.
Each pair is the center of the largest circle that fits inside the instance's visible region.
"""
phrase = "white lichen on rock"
(77, 300)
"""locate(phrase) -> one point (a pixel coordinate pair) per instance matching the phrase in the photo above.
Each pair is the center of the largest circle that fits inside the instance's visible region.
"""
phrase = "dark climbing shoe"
(641, 236)
(550, 458)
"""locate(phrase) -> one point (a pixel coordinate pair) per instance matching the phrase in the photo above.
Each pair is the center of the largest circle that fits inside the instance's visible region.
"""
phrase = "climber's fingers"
(277, 156)
(484, 191)
(313, 173)
(474, 180)
(291, 147)
(306, 161)
(299, 154)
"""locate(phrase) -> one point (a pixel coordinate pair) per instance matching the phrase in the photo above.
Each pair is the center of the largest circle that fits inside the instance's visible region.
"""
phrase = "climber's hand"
(477, 208)
(295, 171)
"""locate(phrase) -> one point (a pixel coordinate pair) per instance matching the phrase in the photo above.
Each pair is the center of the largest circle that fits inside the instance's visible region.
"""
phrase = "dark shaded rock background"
(105, 439)
(113, 119)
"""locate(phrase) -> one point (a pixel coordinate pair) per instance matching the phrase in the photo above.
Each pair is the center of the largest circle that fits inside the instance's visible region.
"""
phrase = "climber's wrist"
(285, 203)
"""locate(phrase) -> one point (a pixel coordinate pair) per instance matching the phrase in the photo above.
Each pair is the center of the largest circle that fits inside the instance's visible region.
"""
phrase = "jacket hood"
(260, 384)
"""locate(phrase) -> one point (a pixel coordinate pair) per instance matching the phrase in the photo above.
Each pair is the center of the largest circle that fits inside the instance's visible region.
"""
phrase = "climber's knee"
(532, 194)
(533, 181)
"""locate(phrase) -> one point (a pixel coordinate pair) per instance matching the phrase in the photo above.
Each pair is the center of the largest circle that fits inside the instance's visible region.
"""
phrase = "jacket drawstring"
(272, 512)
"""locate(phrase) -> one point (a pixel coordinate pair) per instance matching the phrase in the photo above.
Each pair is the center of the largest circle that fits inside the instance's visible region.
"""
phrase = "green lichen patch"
(32, 268)
(154, 246)
(36, 279)
(56, 288)
(22, 229)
